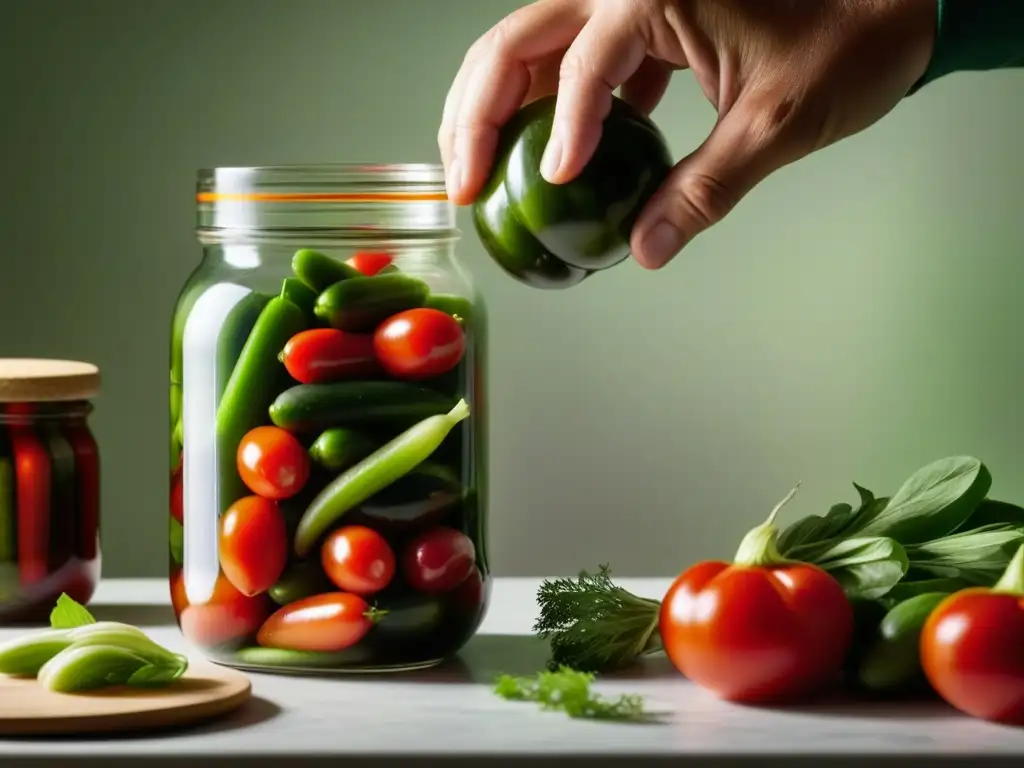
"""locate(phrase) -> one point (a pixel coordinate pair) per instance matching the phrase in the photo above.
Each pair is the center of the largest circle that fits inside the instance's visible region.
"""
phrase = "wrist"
(975, 35)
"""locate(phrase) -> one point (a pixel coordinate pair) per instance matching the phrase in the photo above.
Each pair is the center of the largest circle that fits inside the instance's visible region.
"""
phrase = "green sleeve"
(976, 35)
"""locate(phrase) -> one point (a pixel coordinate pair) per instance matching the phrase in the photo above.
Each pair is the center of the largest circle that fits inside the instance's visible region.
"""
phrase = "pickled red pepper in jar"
(328, 436)
(49, 486)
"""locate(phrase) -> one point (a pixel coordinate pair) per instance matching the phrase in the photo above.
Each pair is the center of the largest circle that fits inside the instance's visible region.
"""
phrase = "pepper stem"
(1012, 580)
(760, 545)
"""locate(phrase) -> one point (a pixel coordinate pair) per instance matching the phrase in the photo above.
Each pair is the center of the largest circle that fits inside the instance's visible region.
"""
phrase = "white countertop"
(451, 711)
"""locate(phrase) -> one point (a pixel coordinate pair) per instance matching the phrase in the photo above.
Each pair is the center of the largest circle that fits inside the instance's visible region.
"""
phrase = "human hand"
(787, 78)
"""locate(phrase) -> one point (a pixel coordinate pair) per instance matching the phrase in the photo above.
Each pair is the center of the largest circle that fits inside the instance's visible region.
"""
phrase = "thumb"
(742, 149)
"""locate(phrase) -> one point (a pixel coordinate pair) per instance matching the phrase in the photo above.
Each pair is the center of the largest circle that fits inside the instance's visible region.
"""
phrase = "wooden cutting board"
(204, 692)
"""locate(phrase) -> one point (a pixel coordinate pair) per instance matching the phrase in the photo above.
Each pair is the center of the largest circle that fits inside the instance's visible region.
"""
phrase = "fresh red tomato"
(227, 616)
(755, 633)
(370, 262)
(358, 560)
(177, 497)
(326, 354)
(329, 622)
(438, 560)
(272, 462)
(971, 652)
(419, 343)
(253, 544)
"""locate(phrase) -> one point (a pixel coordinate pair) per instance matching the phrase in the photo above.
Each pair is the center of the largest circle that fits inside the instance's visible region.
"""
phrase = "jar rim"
(358, 197)
(341, 174)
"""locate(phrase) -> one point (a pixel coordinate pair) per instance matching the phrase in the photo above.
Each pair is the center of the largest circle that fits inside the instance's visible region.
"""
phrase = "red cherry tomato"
(419, 343)
(438, 560)
(751, 633)
(370, 262)
(971, 652)
(177, 496)
(358, 560)
(272, 462)
(253, 544)
(329, 622)
(327, 354)
(227, 616)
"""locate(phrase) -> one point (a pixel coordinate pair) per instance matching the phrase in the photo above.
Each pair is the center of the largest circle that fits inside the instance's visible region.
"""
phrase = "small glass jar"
(328, 423)
(49, 486)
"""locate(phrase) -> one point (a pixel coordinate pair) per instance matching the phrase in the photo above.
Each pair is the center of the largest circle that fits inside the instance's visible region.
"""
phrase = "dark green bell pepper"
(554, 236)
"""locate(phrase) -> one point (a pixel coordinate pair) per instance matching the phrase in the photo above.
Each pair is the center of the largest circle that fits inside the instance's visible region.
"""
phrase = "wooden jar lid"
(26, 380)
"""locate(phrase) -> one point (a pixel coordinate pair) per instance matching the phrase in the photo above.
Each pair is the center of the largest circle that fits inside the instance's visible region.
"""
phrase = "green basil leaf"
(990, 512)
(934, 501)
(866, 567)
(68, 614)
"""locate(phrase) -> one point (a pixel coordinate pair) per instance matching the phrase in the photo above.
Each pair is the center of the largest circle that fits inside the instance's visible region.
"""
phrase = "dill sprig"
(592, 625)
(569, 690)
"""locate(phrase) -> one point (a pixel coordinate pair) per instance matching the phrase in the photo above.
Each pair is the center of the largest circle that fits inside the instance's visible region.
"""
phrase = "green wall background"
(857, 316)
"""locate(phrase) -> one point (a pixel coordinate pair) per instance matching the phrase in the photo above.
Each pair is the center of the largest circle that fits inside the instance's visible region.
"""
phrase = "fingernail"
(453, 180)
(661, 242)
(552, 158)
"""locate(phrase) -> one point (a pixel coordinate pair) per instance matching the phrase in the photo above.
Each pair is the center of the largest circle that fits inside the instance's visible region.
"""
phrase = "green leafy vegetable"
(594, 625)
(867, 568)
(68, 614)
(977, 557)
(934, 501)
(991, 512)
(569, 690)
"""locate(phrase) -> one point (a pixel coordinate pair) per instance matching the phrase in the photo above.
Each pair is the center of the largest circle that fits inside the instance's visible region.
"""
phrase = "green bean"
(375, 473)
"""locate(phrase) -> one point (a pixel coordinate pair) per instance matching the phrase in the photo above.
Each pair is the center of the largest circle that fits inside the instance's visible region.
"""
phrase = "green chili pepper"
(374, 473)
(318, 271)
(299, 294)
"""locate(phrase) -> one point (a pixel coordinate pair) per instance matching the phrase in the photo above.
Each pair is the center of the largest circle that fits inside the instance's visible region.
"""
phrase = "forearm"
(977, 35)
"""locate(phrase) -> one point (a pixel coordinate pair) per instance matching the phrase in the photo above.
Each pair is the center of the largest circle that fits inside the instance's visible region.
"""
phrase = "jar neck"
(28, 414)
(340, 202)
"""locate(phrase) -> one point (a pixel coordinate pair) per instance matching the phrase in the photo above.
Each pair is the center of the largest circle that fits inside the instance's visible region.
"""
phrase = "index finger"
(492, 83)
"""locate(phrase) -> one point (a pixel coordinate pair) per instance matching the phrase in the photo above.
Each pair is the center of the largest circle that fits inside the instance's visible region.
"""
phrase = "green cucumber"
(316, 407)
(300, 580)
(892, 661)
(339, 448)
(8, 513)
(299, 294)
(251, 388)
(456, 306)
(320, 271)
(234, 333)
(264, 658)
(362, 303)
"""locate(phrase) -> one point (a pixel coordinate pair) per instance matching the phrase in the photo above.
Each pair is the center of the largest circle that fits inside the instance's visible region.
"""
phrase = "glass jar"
(49, 486)
(328, 424)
